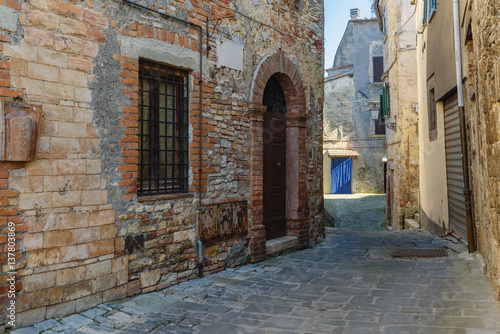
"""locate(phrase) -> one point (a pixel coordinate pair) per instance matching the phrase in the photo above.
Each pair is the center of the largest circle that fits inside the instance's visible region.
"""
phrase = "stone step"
(411, 224)
(417, 217)
(278, 245)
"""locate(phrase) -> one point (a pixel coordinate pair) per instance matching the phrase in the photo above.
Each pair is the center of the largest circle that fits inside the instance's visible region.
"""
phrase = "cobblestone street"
(348, 284)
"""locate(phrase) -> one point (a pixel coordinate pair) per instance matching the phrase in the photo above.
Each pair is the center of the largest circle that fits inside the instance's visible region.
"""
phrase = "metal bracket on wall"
(391, 126)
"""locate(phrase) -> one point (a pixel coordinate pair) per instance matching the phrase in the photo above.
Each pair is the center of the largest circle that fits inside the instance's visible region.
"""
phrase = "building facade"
(399, 112)
(354, 145)
(137, 135)
(458, 97)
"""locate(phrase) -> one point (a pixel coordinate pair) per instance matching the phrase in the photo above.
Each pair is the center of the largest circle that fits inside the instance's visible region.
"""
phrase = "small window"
(378, 68)
(432, 115)
(163, 129)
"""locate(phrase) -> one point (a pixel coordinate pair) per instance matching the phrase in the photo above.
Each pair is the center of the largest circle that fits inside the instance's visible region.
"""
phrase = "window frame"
(374, 79)
(163, 129)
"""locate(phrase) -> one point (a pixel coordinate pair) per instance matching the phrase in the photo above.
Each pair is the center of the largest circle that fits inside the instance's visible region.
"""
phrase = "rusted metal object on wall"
(19, 126)
(223, 221)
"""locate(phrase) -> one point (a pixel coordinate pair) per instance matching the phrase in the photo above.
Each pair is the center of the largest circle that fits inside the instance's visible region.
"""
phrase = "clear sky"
(337, 14)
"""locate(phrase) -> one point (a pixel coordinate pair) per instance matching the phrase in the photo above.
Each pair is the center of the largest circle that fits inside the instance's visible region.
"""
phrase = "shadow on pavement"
(357, 212)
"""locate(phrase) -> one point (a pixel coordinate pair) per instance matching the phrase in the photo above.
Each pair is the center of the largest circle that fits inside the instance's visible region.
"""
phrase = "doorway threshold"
(278, 245)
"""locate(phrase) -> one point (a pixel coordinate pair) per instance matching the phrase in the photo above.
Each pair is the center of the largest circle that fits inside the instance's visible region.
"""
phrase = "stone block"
(187, 235)
(74, 27)
(39, 37)
(46, 297)
(77, 291)
(74, 78)
(71, 166)
(70, 129)
(120, 264)
(30, 201)
(108, 231)
(50, 57)
(70, 276)
(134, 288)
(103, 283)
(57, 238)
(74, 220)
(61, 310)
(114, 294)
(8, 18)
(32, 241)
(88, 302)
(86, 235)
(39, 282)
(72, 253)
(65, 145)
(103, 247)
(43, 72)
(68, 9)
(31, 317)
(95, 197)
(99, 269)
(150, 278)
(44, 257)
(104, 217)
(122, 277)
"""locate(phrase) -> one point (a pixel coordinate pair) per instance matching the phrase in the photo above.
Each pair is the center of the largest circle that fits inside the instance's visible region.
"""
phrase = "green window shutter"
(387, 104)
(381, 108)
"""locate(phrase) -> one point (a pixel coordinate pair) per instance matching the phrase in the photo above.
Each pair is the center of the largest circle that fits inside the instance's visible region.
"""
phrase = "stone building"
(399, 112)
(458, 68)
(132, 131)
(354, 146)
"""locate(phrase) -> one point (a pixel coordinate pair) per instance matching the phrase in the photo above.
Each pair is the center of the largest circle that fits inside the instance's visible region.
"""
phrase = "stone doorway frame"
(288, 75)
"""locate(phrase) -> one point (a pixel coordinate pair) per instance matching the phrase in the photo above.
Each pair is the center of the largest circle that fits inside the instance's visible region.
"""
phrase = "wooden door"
(274, 140)
(274, 174)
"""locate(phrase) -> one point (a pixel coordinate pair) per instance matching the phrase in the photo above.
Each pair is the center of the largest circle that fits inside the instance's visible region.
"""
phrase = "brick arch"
(288, 75)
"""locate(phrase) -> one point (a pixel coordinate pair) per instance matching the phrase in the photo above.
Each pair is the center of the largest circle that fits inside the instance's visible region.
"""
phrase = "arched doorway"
(274, 140)
(277, 83)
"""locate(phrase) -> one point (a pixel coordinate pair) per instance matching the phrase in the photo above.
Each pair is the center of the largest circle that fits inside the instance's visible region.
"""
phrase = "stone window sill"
(163, 197)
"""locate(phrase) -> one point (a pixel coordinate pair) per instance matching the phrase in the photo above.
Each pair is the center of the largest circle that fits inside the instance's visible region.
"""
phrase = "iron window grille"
(163, 129)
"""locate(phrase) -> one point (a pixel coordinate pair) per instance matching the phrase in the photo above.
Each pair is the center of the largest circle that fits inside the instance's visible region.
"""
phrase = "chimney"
(355, 13)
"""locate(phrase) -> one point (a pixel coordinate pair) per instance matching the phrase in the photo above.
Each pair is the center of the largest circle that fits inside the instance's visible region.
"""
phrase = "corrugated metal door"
(454, 171)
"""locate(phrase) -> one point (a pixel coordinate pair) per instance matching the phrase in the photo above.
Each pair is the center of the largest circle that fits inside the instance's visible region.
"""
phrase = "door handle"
(278, 164)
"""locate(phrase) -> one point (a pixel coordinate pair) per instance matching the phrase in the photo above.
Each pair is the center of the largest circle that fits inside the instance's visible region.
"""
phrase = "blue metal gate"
(341, 175)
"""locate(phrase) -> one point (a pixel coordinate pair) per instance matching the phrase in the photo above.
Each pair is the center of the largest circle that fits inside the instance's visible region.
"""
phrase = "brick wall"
(83, 235)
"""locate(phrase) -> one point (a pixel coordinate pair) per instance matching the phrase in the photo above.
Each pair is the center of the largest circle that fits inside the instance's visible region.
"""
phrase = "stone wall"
(402, 142)
(482, 91)
(83, 236)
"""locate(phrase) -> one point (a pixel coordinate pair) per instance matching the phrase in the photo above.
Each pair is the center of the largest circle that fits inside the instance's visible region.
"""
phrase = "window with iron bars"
(163, 129)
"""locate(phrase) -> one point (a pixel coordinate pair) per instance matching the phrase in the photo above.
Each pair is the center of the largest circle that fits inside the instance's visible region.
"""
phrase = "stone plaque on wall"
(223, 221)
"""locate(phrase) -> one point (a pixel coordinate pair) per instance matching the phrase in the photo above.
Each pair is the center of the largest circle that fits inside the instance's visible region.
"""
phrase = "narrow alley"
(348, 284)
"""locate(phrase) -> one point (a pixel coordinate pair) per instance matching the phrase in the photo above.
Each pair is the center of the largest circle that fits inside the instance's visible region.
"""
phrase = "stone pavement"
(348, 284)
(347, 213)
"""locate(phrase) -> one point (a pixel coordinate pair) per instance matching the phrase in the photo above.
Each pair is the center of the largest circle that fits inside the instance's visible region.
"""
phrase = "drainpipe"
(200, 259)
(463, 137)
